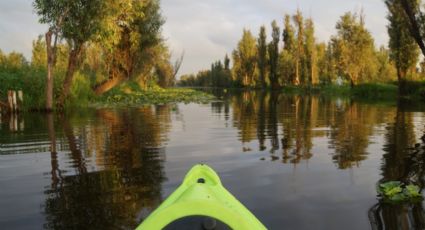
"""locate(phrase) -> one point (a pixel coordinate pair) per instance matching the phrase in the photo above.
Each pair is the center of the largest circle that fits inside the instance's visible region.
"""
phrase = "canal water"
(297, 162)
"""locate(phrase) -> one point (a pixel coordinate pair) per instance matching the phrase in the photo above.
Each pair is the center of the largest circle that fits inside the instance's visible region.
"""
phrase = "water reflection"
(290, 123)
(106, 167)
(127, 147)
(401, 163)
(351, 132)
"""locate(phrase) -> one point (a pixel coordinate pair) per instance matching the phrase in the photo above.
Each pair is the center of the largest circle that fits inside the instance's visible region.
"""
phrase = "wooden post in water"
(20, 99)
(10, 100)
(15, 100)
(15, 104)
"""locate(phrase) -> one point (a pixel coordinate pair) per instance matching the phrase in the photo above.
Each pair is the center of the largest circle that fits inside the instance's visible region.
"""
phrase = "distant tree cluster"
(218, 76)
(293, 56)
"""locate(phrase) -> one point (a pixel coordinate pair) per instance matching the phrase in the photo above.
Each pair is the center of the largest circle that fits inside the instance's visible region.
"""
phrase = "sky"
(205, 30)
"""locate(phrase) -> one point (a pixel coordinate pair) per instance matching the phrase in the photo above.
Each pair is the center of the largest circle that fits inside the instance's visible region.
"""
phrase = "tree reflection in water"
(106, 167)
(401, 162)
(125, 177)
(290, 123)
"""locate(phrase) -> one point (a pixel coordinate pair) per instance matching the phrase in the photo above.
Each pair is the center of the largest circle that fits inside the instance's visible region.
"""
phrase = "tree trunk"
(352, 82)
(263, 80)
(414, 27)
(275, 83)
(108, 85)
(401, 77)
(50, 64)
(74, 56)
(297, 72)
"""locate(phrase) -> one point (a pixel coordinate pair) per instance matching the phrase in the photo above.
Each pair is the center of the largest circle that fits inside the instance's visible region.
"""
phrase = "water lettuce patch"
(128, 97)
(397, 192)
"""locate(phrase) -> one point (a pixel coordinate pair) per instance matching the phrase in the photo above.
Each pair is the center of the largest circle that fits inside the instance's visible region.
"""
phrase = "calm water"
(296, 162)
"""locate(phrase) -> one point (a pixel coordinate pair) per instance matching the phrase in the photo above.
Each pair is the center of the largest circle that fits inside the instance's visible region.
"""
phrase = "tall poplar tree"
(262, 56)
(403, 48)
(274, 55)
(287, 55)
(310, 53)
(299, 50)
(415, 17)
(245, 60)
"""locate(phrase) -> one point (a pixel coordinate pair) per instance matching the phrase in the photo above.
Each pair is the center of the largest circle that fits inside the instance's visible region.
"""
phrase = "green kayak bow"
(202, 194)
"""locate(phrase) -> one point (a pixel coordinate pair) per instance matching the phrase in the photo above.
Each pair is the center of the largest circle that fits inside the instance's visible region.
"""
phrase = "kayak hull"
(202, 194)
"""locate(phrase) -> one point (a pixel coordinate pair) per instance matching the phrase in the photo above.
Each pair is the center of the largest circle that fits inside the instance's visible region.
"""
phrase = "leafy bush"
(30, 82)
(375, 90)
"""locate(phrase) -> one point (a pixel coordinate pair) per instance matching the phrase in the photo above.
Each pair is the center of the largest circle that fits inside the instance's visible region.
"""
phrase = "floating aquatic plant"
(396, 191)
(134, 97)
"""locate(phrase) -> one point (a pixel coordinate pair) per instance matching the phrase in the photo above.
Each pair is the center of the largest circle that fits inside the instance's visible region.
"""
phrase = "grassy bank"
(32, 83)
(378, 91)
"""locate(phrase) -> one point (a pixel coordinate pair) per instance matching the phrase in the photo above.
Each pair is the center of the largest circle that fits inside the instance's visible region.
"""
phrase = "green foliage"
(39, 54)
(367, 91)
(262, 56)
(287, 56)
(273, 49)
(375, 90)
(77, 21)
(288, 34)
(130, 94)
(403, 48)
(299, 50)
(26, 79)
(414, 89)
(391, 188)
(386, 69)
(310, 68)
(336, 90)
(412, 191)
(81, 91)
(122, 40)
(132, 49)
(349, 55)
(397, 192)
(354, 48)
(115, 41)
(245, 60)
(217, 76)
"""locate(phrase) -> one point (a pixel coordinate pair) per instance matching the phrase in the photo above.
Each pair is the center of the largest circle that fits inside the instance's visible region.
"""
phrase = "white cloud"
(18, 26)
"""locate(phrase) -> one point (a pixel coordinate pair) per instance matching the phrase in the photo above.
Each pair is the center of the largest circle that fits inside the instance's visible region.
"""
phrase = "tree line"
(292, 56)
(100, 44)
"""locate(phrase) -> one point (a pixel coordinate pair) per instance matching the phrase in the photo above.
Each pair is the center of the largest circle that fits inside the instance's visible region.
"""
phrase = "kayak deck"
(202, 194)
